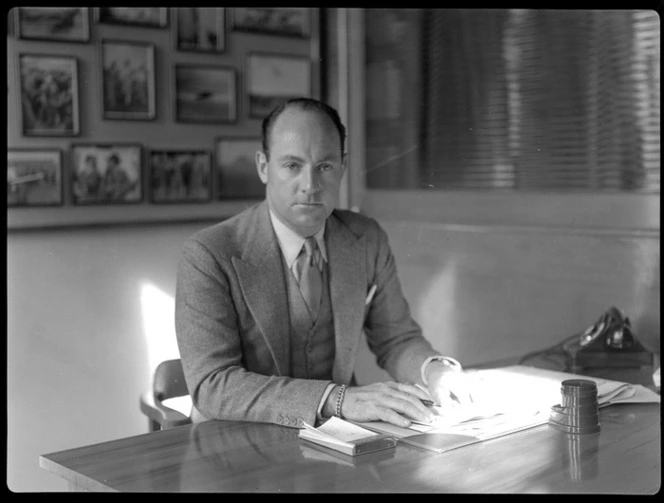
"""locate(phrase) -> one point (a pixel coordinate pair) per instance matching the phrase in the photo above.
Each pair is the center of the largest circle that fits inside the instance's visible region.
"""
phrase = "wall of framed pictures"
(146, 114)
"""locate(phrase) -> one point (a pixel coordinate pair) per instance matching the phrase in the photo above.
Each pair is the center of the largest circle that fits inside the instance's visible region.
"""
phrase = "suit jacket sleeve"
(392, 334)
(211, 349)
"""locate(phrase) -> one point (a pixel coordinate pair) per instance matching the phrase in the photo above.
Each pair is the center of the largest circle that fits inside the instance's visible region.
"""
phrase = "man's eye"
(325, 167)
(291, 165)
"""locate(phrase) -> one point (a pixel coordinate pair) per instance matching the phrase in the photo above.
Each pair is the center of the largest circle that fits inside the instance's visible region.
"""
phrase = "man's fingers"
(379, 398)
(463, 396)
(390, 416)
(408, 405)
(461, 391)
(414, 396)
(413, 390)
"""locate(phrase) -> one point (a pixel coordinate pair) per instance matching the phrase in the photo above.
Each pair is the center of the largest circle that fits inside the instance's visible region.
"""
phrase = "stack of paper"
(506, 400)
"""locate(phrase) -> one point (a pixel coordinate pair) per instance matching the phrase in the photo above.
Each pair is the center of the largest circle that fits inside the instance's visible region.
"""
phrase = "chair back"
(169, 380)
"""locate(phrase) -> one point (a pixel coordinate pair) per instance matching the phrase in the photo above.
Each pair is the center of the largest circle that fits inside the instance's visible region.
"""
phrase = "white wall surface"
(89, 313)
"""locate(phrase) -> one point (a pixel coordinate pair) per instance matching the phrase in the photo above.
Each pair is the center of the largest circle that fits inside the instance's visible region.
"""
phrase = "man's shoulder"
(357, 223)
(229, 234)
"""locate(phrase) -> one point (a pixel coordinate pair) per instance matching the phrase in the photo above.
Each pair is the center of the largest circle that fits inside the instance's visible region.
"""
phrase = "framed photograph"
(290, 21)
(235, 162)
(205, 93)
(128, 80)
(49, 95)
(199, 29)
(151, 17)
(34, 177)
(274, 78)
(180, 176)
(57, 24)
(106, 173)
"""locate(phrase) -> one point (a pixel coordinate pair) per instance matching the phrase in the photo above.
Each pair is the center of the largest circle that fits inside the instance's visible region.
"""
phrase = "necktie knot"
(310, 245)
(312, 251)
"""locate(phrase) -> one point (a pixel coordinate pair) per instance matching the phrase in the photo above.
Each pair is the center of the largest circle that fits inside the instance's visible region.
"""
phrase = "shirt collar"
(291, 242)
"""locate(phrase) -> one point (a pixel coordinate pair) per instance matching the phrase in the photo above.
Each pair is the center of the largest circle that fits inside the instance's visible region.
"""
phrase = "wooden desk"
(224, 456)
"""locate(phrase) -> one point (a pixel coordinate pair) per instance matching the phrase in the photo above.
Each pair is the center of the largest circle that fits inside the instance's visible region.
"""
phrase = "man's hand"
(385, 401)
(448, 386)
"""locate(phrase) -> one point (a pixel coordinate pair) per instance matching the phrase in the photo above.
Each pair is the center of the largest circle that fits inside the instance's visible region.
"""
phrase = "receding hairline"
(297, 110)
(303, 105)
(294, 111)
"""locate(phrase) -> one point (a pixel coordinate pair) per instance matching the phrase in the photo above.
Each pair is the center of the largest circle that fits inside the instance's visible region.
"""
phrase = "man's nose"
(309, 181)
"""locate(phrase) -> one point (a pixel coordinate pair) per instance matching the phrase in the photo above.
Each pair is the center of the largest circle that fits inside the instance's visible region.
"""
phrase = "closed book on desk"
(347, 437)
(316, 452)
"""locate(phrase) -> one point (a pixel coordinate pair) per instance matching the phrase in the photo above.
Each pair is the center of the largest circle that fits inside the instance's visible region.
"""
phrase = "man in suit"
(268, 322)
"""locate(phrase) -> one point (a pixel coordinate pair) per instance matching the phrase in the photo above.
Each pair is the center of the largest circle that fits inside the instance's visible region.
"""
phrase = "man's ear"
(261, 166)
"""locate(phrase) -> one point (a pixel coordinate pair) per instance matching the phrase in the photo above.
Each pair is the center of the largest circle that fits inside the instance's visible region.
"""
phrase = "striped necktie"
(309, 275)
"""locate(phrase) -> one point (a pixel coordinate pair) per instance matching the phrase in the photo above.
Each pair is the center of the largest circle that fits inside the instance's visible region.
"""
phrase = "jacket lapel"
(348, 281)
(261, 278)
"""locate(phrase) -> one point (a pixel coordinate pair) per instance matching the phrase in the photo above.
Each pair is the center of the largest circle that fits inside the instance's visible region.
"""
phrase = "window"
(512, 100)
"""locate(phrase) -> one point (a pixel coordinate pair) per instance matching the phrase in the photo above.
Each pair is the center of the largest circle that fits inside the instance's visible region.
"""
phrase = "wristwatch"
(445, 360)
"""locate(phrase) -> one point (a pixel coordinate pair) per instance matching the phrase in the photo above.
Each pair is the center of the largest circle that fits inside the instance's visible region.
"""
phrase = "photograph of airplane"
(65, 24)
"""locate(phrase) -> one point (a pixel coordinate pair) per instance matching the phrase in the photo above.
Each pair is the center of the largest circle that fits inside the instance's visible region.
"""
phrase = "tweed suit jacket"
(232, 317)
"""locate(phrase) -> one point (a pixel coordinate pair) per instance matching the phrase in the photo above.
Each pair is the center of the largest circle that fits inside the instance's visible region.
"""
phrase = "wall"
(90, 307)
(485, 291)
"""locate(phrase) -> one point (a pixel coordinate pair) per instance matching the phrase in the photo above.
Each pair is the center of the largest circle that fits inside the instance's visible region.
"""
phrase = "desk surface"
(226, 456)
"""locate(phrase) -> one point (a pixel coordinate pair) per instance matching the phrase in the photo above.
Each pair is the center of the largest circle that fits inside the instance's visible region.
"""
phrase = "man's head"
(305, 104)
(113, 160)
(302, 163)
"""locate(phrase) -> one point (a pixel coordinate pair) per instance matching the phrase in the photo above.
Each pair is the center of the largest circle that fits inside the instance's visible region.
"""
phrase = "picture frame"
(49, 94)
(56, 24)
(199, 29)
(106, 173)
(286, 21)
(34, 177)
(148, 17)
(11, 21)
(179, 176)
(235, 168)
(205, 93)
(274, 78)
(127, 80)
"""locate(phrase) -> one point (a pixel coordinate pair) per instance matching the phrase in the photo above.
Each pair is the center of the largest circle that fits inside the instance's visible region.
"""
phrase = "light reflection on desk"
(260, 457)
(227, 456)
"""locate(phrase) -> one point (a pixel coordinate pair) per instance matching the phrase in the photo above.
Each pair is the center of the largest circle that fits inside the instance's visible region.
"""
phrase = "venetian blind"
(513, 100)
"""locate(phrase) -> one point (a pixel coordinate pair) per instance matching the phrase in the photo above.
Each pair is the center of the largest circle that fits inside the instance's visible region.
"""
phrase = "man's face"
(304, 170)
